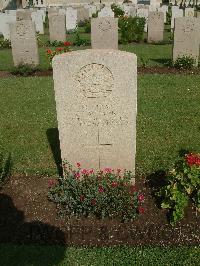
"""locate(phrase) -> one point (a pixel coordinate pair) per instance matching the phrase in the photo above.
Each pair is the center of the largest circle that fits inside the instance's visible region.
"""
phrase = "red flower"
(118, 170)
(51, 182)
(141, 210)
(67, 44)
(193, 159)
(82, 197)
(141, 197)
(114, 184)
(59, 49)
(93, 202)
(101, 189)
(78, 165)
(49, 51)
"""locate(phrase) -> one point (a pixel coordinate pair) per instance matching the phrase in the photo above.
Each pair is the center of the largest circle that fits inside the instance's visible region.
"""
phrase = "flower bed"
(107, 193)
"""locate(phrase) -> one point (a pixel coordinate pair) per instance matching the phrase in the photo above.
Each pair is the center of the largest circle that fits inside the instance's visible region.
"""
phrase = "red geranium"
(193, 159)
(59, 49)
(51, 183)
(108, 170)
(132, 189)
(118, 170)
(101, 189)
(141, 197)
(78, 165)
(114, 184)
(67, 44)
(77, 175)
(93, 202)
(84, 172)
(141, 210)
(82, 197)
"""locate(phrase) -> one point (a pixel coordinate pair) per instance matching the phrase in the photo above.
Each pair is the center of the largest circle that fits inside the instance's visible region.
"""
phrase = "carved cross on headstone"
(100, 148)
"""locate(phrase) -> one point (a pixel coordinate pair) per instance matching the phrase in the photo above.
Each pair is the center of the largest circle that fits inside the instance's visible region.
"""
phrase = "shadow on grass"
(53, 139)
(14, 230)
(158, 180)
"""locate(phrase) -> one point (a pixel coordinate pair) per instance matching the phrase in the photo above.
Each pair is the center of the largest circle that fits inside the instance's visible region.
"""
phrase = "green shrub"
(117, 10)
(78, 41)
(24, 70)
(83, 23)
(95, 15)
(131, 29)
(5, 167)
(83, 192)
(88, 27)
(5, 44)
(144, 62)
(169, 16)
(184, 62)
(182, 185)
(55, 43)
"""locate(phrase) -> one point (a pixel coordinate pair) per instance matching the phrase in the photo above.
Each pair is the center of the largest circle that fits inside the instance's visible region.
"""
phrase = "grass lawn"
(168, 121)
(60, 256)
(151, 54)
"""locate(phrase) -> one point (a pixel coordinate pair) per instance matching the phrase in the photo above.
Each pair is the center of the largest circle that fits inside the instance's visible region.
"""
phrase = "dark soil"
(26, 216)
(167, 70)
(141, 70)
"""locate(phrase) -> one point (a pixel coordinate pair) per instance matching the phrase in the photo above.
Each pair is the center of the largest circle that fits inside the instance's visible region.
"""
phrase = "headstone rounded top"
(92, 52)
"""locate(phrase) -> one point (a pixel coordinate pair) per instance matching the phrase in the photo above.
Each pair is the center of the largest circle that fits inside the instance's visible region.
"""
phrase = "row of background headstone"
(104, 34)
(73, 16)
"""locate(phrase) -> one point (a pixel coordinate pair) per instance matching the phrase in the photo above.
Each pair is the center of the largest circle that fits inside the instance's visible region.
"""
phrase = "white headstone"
(5, 21)
(106, 12)
(96, 103)
(186, 38)
(71, 18)
(189, 12)
(164, 9)
(24, 43)
(176, 13)
(37, 18)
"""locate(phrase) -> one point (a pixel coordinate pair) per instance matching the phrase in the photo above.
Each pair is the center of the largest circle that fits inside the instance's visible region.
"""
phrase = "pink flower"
(141, 210)
(78, 165)
(77, 175)
(132, 189)
(93, 202)
(108, 170)
(91, 171)
(51, 182)
(141, 197)
(84, 172)
(82, 197)
(114, 184)
(101, 189)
